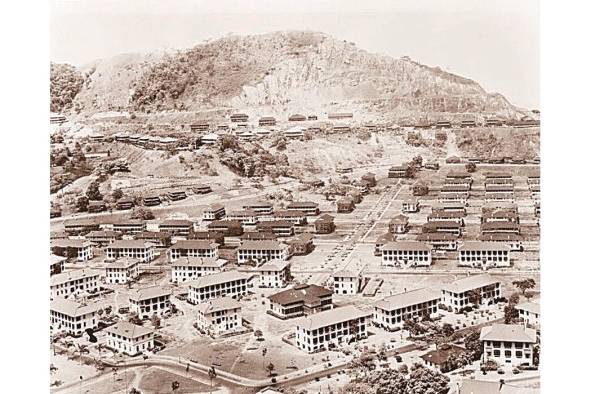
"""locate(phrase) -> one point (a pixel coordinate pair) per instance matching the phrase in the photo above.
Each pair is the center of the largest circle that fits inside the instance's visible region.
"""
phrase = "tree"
(82, 204)
(93, 192)
(420, 190)
(417, 161)
(156, 322)
(423, 380)
(117, 194)
(258, 333)
(365, 362)
(524, 284)
(134, 391)
(470, 167)
(474, 297)
(511, 314)
(141, 213)
(270, 368)
(514, 299)
(175, 385)
(473, 345)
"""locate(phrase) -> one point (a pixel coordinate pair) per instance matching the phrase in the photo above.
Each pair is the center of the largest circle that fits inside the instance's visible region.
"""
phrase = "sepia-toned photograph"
(294, 197)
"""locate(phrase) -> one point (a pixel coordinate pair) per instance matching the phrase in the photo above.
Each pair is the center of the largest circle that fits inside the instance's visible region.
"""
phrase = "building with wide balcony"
(223, 284)
(149, 301)
(391, 312)
(474, 289)
(508, 344)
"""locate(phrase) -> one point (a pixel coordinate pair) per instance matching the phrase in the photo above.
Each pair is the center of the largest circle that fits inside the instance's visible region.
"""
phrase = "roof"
(257, 204)
(72, 308)
(529, 306)
(214, 207)
(291, 213)
(385, 238)
(408, 298)
(336, 315)
(405, 245)
(439, 356)
(147, 293)
(274, 265)
(206, 262)
(500, 237)
(434, 237)
(214, 279)
(68, 276)
(248, 244)
(275, 223)
(195, 244)
(498, 175)
(162, 235)
(353, 272)
(458, 174)
(92, 221)
(128, 330)
(469, 283)
(442, 213)
(325, 218)
(481, 245)
(442, 224)
(218, 304)
(508, 333)
(399, 219)
(103, 233)
(302, 238)
(55, 259)
(70, 243)
(498, 225)
(243, 213)
(128, 244)
(176, 222)
(124, 262)
(307, 293)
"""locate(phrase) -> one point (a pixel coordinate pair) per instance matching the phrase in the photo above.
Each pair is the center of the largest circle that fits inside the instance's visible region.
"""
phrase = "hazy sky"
(495, 42)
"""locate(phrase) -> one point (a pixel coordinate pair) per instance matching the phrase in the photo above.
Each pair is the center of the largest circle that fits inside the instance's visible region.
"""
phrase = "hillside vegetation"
(65, 83)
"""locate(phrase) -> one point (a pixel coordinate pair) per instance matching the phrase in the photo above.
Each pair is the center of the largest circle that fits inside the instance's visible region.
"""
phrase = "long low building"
(72, 317)
(391, 312)
(323, 330)
(458, 294)
(223, 284)
(484, 255)
(500, 227)
(406, 253)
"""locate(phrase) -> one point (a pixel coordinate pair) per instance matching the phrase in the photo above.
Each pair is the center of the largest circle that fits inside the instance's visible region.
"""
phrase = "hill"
(281, 72)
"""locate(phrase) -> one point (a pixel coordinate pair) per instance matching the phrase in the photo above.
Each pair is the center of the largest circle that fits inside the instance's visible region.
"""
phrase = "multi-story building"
(102, 237)
(345, 205)
(298, 218)
(348, 281)
(247, 217)
(281, 228)
(440, 215)
(214, 212)
(499, 215)
(189, 268)
(401, 171)
(177, 227)
(193, 248)
(324, 224)
(230, 228)
(56, 264)
(121, 271)
(500, 227)
(274, 274)
(460, 293)
(132, 248)
(411, 206)
(439, 241)
(77, 283)
(529, 313)
(398, 224)
(381, 241)
(149, 301)
(267, 121)
(461, 198)
(391, 312)
(260, 207)
(219, 316)
(513, 241)
(227, 283)
(262, 251)
(326, 329)
(484, 254)
(308, 207)
(507, 344)
(302, 244)
(129, 226)
(72, 317)
(301, 300)
(81, 226)
(81, 249)
(160, 240)
(129, 338)
(410, 253)
(443, 226)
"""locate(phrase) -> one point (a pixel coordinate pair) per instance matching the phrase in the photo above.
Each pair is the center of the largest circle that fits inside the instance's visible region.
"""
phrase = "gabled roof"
(434, 237)
(440, 356)
(385, 238)
(129, 244)
(529, 306)
(147, 293)
(55, 259)
(69, 276)
(508, 333)
(399, 219)
(217, 305)
(406, 245)
(128, 330)
(469, 283)
(481, 245)
(302, 238)
(176, 222)
(325, 218)
(194, 244)
(332, 316)
(214, 207)
(408, 298)
(72, 308)
(274, 265)
(261, 245)
(307, 293)
(124, 262)
(70, 243)
(222, 277)
(205, 262)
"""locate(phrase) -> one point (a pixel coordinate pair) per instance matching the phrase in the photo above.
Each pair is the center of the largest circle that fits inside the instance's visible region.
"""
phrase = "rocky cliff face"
(294, 71)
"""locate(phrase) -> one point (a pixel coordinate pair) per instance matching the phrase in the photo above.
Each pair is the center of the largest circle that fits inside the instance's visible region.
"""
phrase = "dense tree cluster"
(65, 83)
(420, 380)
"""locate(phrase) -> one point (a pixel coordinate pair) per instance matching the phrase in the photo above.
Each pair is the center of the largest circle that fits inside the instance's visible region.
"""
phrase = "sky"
(495, 43)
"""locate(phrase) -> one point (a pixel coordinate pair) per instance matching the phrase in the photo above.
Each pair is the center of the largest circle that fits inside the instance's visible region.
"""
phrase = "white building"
(121, 271)
(219, 316)
(131, 248)
(72, 317)
(456, 295)
(274, 274)
(411, 206)
(189, 268)
(129, 338)
(77, 282)
(79, 248)
(262, 251)
(484, 255)
(529, 313)
(193, 248)
(405, 253)
(228, 283)
(391, 312)
(56, 264)
(149, 301)
(508, 344)
(322, 330)
(348, 281)
(214, 212)
(260, 207)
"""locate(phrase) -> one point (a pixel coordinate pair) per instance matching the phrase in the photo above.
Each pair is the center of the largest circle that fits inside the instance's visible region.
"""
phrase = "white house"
(80, 248)
(262, 251)
(193, 248)
(149, 301)
(529, 313)
(391, 312)
(228, 283)
(189, 268)
(121, 271)
(275, 273)
(129, 338)
(409, 253)
(72, 317)
(214, 212)
(484, 254)
(131, 248)
(508, 344)
(322, 330)
(76, 282)
(219, 316)
(456, 295)
(348, 281)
